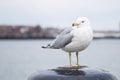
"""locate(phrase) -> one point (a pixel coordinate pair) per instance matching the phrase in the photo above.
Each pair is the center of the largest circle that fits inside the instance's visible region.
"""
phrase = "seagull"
(74, 39)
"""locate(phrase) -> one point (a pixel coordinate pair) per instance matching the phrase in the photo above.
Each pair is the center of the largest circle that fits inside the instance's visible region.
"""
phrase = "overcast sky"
(103, 14)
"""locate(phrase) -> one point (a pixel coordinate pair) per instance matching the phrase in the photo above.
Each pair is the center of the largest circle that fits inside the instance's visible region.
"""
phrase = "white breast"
(81, 39)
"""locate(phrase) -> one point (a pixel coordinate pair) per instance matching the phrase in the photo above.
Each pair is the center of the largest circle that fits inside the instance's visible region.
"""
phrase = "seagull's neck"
(82, 27)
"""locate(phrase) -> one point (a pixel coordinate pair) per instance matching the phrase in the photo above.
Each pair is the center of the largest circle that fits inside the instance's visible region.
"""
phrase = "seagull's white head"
(82, 21)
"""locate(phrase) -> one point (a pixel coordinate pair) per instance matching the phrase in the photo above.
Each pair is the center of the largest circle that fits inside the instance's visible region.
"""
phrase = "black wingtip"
(43, 47)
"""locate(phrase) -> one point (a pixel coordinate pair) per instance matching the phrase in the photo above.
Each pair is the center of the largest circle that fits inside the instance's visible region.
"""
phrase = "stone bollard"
(74, 73)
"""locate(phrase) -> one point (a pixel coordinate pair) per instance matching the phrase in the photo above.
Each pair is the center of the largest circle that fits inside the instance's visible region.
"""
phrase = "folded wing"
(62, 39)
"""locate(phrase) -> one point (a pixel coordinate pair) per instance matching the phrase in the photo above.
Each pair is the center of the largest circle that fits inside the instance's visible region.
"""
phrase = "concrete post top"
(74, 73)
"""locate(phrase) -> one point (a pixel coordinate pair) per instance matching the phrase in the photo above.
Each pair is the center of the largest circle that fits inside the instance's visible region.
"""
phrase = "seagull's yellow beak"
(75, 24)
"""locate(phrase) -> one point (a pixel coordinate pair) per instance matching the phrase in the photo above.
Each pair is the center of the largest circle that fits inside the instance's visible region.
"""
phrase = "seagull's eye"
(83, 21)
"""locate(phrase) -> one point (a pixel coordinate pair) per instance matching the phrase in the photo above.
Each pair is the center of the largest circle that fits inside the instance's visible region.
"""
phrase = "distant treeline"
(27, 32)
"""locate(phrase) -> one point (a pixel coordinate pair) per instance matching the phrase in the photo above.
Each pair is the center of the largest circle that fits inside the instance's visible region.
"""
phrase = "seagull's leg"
(77, 59)
(70, 59)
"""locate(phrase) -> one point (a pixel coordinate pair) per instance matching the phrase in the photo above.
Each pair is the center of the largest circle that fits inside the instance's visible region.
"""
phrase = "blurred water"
(20, 58)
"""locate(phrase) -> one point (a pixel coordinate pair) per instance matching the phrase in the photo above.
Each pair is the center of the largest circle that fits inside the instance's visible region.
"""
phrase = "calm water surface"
(20, 58)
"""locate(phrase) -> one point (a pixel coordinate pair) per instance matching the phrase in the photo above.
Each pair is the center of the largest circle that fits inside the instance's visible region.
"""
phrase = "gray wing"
(62, 39)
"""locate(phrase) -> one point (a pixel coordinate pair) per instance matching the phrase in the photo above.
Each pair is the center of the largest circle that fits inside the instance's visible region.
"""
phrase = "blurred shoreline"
(38, 32)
